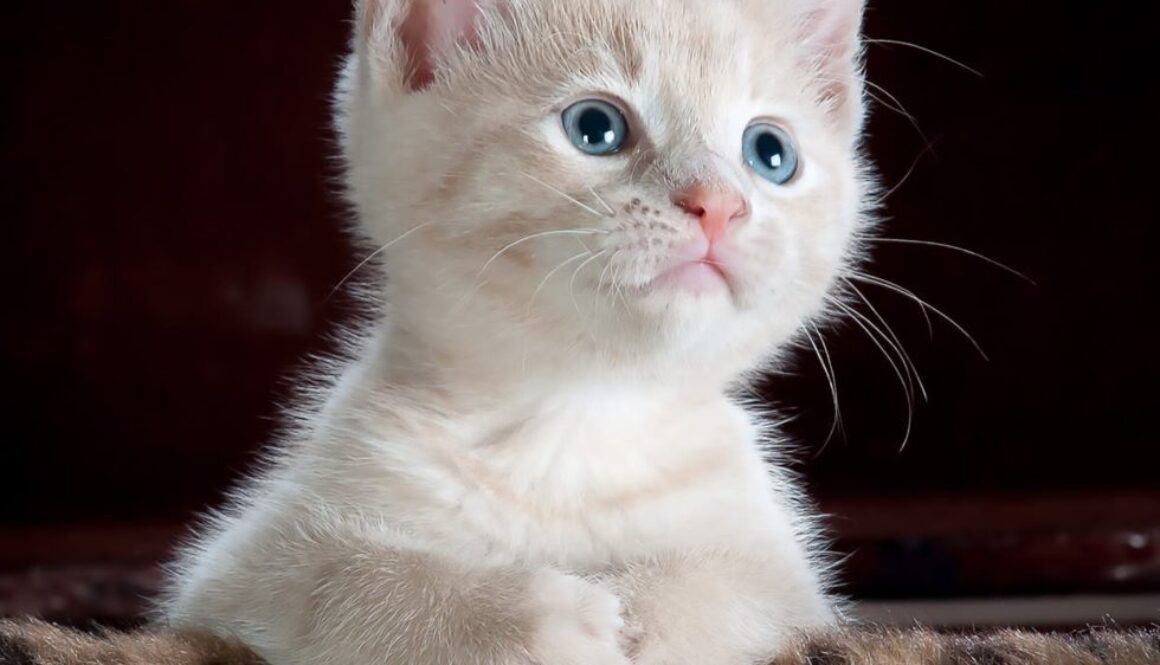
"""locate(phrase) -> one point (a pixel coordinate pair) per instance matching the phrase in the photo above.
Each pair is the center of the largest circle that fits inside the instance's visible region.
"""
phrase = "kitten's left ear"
(830, 34)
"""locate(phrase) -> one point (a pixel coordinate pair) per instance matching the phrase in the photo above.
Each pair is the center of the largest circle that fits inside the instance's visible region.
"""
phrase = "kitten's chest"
(579, 492)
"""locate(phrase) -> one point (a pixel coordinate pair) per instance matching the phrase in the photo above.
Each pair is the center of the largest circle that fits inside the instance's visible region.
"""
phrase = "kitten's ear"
(409, 38)
(830, 32)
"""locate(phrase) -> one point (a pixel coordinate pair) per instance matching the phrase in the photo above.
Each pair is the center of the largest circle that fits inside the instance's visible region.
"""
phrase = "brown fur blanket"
(38, 643)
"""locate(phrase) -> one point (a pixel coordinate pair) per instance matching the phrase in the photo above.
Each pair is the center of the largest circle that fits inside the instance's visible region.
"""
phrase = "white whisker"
(563, 194)
(907, 293)
(618, 287)
(897, 341)
(572, 282)
(870, 279)
(946, 58)
(929, 147)
(902, 365)
(898, 108)
(611, 212)
(861, 321)
(827, 365)
(891, 102)
(600, 284)
(553, 271)
(955, 248)
(541, 234)
(370, 257)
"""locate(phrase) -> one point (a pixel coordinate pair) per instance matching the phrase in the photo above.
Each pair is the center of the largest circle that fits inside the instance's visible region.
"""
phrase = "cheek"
(767, 248)
(827, 240)
(826, 216)
(796, 248)
(821, 248)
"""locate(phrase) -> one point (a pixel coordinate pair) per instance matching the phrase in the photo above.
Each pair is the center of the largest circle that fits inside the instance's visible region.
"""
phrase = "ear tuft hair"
(830, 35)
(413, 37)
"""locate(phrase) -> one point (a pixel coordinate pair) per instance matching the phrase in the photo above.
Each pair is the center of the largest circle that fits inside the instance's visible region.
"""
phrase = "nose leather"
(715, 208)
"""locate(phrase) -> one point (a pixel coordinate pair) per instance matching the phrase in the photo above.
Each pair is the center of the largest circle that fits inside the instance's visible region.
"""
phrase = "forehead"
(679, 48)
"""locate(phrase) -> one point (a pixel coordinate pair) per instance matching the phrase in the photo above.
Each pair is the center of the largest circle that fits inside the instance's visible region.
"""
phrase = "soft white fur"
(529, 460)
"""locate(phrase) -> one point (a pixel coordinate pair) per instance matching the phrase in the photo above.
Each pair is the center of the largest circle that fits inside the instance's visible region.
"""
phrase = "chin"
(688, 322)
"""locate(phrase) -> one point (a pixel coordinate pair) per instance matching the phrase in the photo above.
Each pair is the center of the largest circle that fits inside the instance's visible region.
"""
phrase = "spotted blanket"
(38, 643)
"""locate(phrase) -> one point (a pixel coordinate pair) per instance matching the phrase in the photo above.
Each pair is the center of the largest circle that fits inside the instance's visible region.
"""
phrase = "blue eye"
(770, 152)
(595, 127)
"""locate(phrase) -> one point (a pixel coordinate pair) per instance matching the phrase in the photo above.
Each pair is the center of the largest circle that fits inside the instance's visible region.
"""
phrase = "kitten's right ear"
(409, 39)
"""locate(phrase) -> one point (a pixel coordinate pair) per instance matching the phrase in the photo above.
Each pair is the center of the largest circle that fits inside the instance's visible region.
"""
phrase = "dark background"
(171, 233)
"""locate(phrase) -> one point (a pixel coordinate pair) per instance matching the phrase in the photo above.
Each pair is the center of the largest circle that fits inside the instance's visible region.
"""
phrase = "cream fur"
(535, 455)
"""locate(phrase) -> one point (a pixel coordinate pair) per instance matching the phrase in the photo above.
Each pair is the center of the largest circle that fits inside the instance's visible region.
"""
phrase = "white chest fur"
(586, 480)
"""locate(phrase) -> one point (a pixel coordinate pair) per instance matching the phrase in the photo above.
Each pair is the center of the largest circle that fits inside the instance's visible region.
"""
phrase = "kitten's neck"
(496, 374)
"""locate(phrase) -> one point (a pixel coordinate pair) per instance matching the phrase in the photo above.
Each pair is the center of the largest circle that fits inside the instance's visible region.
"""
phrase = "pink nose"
(714, 207)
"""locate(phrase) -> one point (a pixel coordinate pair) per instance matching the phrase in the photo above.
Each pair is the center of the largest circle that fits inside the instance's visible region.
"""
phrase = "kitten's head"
(630, 184)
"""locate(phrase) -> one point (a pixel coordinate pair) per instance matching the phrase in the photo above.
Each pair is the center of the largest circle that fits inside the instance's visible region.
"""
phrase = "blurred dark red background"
(171, 234)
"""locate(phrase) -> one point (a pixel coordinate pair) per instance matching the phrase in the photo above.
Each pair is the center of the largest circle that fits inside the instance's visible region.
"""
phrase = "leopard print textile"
(39, 643)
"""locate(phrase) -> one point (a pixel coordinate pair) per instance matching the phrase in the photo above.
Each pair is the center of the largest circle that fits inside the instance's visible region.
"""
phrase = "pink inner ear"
(830, 36)
(829, 30)
(430, 30)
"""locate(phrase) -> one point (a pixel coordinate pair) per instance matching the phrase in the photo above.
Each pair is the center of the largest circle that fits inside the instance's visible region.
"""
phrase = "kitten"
(599, 219)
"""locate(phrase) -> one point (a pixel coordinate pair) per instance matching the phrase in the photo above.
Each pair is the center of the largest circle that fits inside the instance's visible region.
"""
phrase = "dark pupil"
(596, 128)
(770, 150)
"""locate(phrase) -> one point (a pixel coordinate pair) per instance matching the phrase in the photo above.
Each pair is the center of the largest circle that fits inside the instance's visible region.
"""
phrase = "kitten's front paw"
(575, 622)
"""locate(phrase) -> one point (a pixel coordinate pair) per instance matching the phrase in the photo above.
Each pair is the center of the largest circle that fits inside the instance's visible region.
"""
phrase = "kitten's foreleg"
(413, 608)
(717, 608)
(369, 606)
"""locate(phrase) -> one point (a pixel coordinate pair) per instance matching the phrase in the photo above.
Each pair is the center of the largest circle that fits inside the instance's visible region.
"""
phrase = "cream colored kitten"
(598, 218)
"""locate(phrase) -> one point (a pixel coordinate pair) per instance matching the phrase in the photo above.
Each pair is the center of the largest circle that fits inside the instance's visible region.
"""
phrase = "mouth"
(701, 276)
(696, 268)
